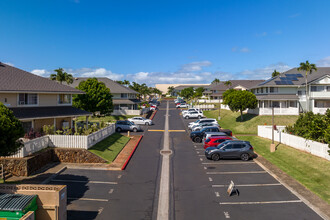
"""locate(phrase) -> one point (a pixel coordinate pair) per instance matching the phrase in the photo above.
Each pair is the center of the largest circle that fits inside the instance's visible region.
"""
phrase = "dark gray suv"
(231, 149)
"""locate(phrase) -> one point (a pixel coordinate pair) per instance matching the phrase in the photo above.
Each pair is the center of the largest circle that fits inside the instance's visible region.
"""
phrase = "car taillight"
(251, 148)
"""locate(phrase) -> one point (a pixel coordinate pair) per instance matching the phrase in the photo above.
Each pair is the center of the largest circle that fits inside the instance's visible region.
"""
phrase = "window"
(228, 146)
(64, 99)
(266, 104)
(276, 104)
(123, 95)
(27, 126)
(273, 90)
(262, 90)
(293, 104)
(257, 90)
(237, 146)
(28, 99)
(322, 104)
(300, 93)
(328, 88)
(266, 89)
(317, 88)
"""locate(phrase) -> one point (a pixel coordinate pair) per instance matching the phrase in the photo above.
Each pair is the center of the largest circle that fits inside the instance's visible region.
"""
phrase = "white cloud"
(94, 72)
(263, 34)
(325, 62)
(10, 64)
(264, 72)
(195, 66)
(241, 50)
(245, 50)
(40, 72)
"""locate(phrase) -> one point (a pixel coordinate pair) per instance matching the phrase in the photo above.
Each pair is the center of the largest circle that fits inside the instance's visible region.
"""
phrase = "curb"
(46, 181)
(152, 117)
(130, 156)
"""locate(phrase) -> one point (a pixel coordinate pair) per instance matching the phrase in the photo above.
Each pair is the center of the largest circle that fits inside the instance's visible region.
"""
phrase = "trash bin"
(14, 206)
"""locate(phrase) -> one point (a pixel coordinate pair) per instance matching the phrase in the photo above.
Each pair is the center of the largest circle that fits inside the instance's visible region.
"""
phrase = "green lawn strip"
(110, 147)
(110, 118)
(232, 120)
(310, 171)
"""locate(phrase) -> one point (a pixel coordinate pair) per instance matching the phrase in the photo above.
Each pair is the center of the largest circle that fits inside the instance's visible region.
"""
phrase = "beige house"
(37, 101)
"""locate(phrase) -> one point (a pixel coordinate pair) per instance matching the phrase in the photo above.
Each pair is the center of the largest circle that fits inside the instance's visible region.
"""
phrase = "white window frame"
(27, 105)
(58, 99)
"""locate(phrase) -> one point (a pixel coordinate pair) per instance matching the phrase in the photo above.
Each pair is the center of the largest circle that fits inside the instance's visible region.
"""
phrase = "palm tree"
(215, 81)
(120, 82)
(308, 68)
(126, 82)
(275, 73)
(170, 90)
(62, 76)
(227, 83)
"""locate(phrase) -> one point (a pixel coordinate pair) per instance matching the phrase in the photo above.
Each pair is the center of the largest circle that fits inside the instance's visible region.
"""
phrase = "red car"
(215, 141)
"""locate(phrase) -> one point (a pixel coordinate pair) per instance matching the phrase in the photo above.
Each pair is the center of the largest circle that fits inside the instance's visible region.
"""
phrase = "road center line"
(164, 188)
(254, 203)
(83, 181)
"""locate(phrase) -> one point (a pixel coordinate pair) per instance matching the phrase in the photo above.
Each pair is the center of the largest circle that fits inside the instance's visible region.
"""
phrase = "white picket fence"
(204, 106)
(312, 147)
(66, 141)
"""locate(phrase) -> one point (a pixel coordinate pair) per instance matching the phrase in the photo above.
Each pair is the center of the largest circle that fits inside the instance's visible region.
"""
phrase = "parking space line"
(201, 155)
(229, 163)
(81, 181)
(119, 176)
(217, 194)
(255, 203)
(210, 179)
(111, 191)
(201, 159)
(215, 173)
(89, 199)
(243, 185)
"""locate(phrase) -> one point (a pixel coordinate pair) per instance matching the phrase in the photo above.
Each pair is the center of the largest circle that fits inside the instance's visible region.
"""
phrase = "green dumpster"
(14, 206)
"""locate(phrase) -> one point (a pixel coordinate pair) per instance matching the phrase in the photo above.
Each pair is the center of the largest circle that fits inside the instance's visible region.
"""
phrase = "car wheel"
(199, 117)
(197, 139)
(147, 123)
(134, 129)
(245, 157)
(187, 117)
(118, 129)
(215, 157)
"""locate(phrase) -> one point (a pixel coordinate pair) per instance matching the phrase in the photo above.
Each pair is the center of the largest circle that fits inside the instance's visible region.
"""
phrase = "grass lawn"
(310, 171)
(110, 118)
(232, 120)
(110, 147)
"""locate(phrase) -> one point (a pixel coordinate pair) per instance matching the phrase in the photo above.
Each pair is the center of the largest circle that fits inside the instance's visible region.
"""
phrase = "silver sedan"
(141, 121)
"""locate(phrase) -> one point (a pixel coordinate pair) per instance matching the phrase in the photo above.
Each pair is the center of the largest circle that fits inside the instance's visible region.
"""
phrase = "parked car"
(193, 115)
(197, 136)
(213, 134)
(182, 105)
(126, 126)
(191, 110)
(153, 107)
(231, 149)
(203, 120)
(203, 125)
(140, 121)
(215, 141)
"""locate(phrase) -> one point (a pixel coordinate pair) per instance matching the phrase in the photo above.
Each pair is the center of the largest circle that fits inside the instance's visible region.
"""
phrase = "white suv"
(203, 120)
(191, 110)
(193, 115)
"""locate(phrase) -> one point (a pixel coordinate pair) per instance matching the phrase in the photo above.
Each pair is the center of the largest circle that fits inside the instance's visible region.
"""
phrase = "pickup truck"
(197, 136)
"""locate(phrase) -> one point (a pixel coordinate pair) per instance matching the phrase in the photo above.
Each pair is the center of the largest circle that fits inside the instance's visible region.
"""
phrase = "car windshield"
(144, 118)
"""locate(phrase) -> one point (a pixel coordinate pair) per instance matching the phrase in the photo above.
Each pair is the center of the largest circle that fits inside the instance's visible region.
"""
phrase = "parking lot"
(260, 195)
(89, 191)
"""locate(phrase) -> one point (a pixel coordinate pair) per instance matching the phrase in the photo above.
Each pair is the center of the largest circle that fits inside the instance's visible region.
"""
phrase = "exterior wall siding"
(11, 99)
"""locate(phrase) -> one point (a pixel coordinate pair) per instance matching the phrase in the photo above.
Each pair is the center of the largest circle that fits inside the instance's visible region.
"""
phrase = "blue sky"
(164, 41)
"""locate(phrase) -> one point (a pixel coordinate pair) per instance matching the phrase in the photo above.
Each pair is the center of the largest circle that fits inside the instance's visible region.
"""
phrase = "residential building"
(217, 90)
(37, 101)
(179, 88)
(124, 99)
(287, 93)
(164, 87)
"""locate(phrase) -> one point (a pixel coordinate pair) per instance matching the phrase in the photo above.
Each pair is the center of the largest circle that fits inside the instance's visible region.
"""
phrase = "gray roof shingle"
(321, 71)
(112, 85)
(13, 79)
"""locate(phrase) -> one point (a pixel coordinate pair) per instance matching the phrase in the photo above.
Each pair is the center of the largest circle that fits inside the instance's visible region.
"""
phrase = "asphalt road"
(197, 185)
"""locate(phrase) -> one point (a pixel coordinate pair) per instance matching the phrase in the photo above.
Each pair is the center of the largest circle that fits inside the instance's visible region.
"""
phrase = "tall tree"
(228, 83)
(215, 81)
(97, 97)
(120, 82)
(275, 73)
(61, 76)
(170, 90)
(308, 68)
(126, 82)
(240, 100)
(187, 92)
(10, 131)
(136, 87)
